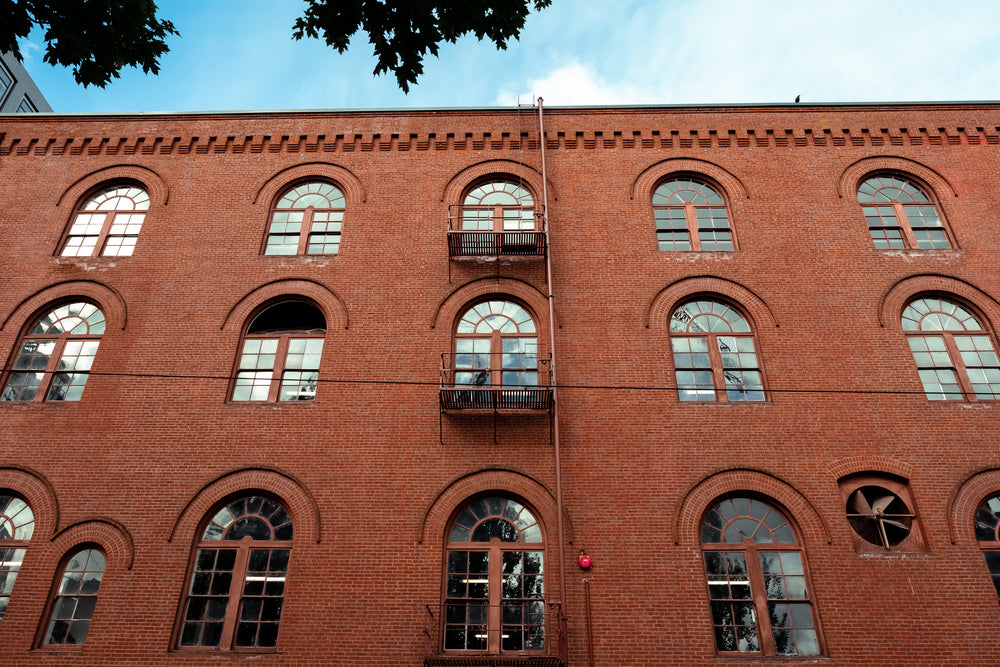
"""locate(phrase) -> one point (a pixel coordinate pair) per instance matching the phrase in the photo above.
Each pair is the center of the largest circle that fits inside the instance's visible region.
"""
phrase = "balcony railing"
(519, 635)
(487, 231)
(512, 381)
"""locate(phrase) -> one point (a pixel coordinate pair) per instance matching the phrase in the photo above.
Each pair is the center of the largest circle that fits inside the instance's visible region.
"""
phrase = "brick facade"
(372, 472)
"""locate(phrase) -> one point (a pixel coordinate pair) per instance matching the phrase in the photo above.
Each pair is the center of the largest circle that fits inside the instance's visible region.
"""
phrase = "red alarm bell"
(584, 561)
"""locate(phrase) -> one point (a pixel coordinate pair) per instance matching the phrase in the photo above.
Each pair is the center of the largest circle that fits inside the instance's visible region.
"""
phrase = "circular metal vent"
(879, 516)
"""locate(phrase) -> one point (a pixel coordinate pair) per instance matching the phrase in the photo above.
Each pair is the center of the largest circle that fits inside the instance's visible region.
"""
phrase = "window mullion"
(235, 595)
(692, 224)
(718, 374)
(961, 372)
(48, 376)
(102, 237)
(494, 630)
(764, 634)
(279, 368)
(904, 225)
(306, 229)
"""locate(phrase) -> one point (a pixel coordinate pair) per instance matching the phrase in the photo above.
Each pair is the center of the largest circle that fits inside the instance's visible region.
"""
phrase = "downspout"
(561, 551)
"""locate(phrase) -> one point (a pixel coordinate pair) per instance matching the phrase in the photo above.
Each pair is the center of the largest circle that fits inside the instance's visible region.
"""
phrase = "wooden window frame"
(51, 369)
(691, 214)
(955, 358)
(495, 548)
(15, 523)
(239, 576)
(989, 547)
(100, 245)
(308, 218)
(55, 596)
(715, 354)
(498, 209)
(496, 353)
(758, 589)
(903, 223)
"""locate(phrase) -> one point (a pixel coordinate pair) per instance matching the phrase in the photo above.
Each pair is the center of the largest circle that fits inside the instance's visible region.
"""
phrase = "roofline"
(768, 106)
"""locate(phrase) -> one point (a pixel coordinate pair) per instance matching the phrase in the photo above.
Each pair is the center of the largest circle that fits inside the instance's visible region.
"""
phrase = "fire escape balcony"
(511, 382)
(496, 231)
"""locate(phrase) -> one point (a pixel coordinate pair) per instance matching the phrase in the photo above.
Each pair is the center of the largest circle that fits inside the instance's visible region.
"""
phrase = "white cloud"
(574, 84)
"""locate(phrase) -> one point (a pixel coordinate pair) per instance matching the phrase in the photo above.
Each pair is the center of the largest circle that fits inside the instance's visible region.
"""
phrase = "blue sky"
(239, 55)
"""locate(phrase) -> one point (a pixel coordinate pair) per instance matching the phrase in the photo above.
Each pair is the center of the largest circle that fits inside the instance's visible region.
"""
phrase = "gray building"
(18, 93)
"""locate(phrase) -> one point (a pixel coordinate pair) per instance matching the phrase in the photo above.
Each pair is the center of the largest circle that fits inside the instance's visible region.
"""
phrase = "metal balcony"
(487, 231)
(512, 382)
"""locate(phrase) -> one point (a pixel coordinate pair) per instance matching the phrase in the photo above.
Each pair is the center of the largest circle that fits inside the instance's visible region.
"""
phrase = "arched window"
(17, 524)
(107, 222)
(955, 355)
(691, 215)
(987, 523)
(236, 587)
(758, 587)
(306, 220)
(494, 582)
(56, 354)
(280, 354)
(496, 344)
(72, 604)
(901, 215)
(499, 206)
(714, 353)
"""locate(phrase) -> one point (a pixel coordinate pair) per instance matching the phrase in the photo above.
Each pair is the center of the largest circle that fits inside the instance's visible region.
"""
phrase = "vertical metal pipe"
(561, 550)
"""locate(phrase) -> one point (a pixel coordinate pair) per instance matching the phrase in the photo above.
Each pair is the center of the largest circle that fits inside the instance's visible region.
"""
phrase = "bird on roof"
(797, 98)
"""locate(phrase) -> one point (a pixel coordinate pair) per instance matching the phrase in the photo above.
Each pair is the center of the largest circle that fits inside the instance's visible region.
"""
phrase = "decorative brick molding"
(642, 187)
(112, 537)
(686, 525)
(292, 493)
(153, 183)
(968, 495)
(518, 171)
(106, 298)
(334, 309)
(890, 307)
(663, 304)
(872, 464)
(354, 191)
(501, 480)
(851, 177)
(462, 297)
(38, 493)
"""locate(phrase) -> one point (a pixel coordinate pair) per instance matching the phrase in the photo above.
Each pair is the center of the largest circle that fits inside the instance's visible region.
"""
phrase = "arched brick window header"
(294, 495)
(871, 464)
(501, 170)
(107, 534)
(897, 297)
(851, 178)
(108, 300)
(349, 183)
(448, 311)
(154, 185)
(663, 304)
(704, 494)
(499, 481)
(728, 186)
(332, 307)
(965, 499)
(37, 491)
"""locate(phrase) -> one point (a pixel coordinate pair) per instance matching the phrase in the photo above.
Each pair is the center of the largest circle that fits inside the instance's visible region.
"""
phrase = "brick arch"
(38, 492)
(107, 299)
(663, 304)
(965, 499)
(351, 184)
(692, 506)
(852, 176)
(113, 538)
(644, 183)
(893, 302)
(452, 193)
(334, 309)
(154, 184)
(871, 464)
(453, 305)
(292, 492)
(505, 480)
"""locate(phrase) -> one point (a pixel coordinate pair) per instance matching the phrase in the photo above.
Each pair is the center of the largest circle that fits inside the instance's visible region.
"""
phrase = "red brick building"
(370, 388)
